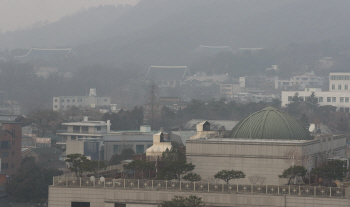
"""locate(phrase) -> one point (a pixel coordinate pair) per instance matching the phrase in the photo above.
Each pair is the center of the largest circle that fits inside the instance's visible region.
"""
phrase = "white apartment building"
(338, 94)
(339, 82)
(300, 82)
(92, 101)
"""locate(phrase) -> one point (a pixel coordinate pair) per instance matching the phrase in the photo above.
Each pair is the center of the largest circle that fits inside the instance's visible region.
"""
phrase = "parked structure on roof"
(159, 146)
(167, 76)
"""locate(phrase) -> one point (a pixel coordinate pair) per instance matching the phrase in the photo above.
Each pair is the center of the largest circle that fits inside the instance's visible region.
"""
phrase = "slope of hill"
(164, 32)
(69, 30)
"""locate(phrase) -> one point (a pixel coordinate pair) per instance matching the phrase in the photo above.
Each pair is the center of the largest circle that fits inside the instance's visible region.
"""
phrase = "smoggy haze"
(24, 13)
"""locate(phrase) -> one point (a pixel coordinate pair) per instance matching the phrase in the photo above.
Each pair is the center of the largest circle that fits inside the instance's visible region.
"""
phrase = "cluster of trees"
(333, 170)
(125, 120)
(30, 182)
(309, 111)
(80, 164)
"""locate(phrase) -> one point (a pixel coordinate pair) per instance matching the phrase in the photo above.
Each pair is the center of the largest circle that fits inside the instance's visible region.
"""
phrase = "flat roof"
(89, 123)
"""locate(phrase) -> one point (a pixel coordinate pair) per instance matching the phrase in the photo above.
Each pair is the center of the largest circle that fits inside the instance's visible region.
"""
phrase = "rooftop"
(167, 72)
(270, 123)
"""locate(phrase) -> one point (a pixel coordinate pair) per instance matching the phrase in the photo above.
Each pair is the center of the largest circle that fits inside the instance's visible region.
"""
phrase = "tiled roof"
(213, 50)
(40, 53)
(167, 72)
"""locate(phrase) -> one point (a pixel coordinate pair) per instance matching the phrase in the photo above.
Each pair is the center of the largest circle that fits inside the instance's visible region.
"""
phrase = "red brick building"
(10, 147)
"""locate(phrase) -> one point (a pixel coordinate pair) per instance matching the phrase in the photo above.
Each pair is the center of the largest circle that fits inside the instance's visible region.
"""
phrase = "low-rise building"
(91, 101)
(84, 130)
(228, 90)
(300, 82)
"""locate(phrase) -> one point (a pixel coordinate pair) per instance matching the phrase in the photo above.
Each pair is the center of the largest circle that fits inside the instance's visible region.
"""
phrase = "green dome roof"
(270, 123)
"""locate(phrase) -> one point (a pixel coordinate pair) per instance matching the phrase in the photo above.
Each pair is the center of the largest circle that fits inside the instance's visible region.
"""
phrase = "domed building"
(262, 146)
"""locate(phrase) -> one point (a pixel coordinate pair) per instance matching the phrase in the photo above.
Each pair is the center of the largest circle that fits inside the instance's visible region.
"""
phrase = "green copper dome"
(270, 123)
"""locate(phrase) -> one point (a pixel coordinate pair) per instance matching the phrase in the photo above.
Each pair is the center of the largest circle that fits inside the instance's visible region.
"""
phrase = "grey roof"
(40, 53)
(214, 124)
(8, 117)
(213, 50)
(167, 72)
(46, 150)
(129, 138)
(184, 135)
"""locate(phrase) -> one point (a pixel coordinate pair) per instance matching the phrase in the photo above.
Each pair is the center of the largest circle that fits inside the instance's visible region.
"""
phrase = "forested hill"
(164, 32)
(71, 30)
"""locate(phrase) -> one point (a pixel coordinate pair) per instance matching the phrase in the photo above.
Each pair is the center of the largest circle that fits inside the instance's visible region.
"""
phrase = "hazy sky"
(15, 14)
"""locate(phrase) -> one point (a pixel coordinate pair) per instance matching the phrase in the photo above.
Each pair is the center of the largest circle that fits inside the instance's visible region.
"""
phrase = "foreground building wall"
(262, 159)
(104, 197)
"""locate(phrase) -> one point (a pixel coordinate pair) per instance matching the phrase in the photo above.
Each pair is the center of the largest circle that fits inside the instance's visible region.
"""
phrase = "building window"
(68, 106)
(13, 131)
(4, 166)
(140, 149)
(105, 100)
(328, 99)
(320, 99)
(341, 99)
(4, 154)
(333, 87)
(116, 149)
(84, 129)
(73, 137)
(346, 99)
(62, 100)
(334, 99)
(68, 100)
(5, 145)
(73, 100)
(290, 98)
(98, 128)
(12, 166)
(13, 153)
(56, 106)
(62, 107)
(346, 87)
(56, 100)
(80, 204)
(339, 87)
(13, 142)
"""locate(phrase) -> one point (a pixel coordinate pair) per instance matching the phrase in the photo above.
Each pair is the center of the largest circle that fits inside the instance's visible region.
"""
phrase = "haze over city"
(164, 103)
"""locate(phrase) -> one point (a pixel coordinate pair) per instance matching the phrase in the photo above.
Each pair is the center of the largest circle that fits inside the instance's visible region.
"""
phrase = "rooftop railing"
(212, 187)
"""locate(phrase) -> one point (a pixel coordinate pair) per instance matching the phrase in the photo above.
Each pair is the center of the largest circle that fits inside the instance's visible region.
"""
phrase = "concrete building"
(84, 130)
(228, 90)
(148, 193)
(338, 94)
(10, 147)
(263, 145)
(300, 82)
(138, 141)
(91, 101)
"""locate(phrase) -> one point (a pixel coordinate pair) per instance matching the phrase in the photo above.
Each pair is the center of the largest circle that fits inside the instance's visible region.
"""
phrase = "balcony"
(72, 132)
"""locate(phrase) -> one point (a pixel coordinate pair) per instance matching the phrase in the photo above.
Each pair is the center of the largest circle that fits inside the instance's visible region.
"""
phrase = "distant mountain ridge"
(163, 32)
